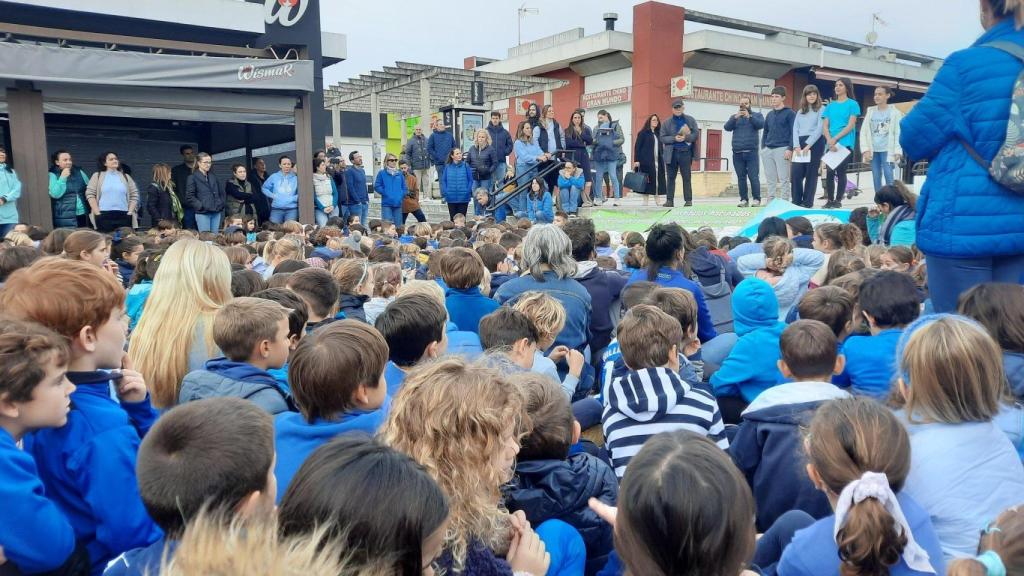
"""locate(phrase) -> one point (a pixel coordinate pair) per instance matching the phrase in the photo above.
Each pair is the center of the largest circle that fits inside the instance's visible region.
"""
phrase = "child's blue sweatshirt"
(144, 561)
(466, 306)
(870, 363)
(751, 366)
(393, 377)
(34, 534)
(295, 438)
(88, 468)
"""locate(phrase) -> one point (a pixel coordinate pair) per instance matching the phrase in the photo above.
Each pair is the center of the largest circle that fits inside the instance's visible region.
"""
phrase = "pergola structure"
(421, 89)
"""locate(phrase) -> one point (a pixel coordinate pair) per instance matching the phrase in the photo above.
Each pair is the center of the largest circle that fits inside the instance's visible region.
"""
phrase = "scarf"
(392, 171)
(176, 209)
(901, 213)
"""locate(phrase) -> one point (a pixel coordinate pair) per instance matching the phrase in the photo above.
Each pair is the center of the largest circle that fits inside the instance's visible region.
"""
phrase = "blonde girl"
(829, 238)
(175, 334)
(964, 469)
(290, 247)
(463, 423)
(548, 316)
(387, 279)
(355, 283)
(787, 268)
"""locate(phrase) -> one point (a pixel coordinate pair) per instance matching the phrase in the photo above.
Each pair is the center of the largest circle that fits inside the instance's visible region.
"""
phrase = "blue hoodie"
(295, 438)
(391, 187)
(225, 378)
(88, 468)
(34, 534)
(467, 306)
(870, 363)
(751, 367)
(282, 190)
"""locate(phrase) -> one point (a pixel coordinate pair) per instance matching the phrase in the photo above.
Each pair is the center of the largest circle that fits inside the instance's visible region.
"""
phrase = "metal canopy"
(398, 89)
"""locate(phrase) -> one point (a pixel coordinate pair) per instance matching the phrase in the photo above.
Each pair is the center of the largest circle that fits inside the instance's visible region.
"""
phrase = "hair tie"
(117, 237)
(876, 485)
(993, 563)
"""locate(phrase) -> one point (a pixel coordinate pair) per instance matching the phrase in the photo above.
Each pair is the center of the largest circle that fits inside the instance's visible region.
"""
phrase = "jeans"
(322, 217)
(208, 222)
(949, 277)
(681, 163)
(805, 174)
(880, 166)
(457, 208)
(716, 350)
(392, 214)
(478, 210)
(570, 199)
(587, 412)
(519, 203)
(499, 172)
(5, 228)
(835, 191)
(747, 168)
(362, 210)
(566, 547)
(282, 215)
(775, 539)
(439, 172)
(776, 172)
(600, 169)
(189, 219)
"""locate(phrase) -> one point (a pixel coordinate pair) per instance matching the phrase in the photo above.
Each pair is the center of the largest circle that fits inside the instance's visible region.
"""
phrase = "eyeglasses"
(390, 160)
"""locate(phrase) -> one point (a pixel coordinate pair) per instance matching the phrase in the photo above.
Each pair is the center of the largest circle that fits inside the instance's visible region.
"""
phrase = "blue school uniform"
(88, 468)
(142, 561)
(466, 306)
(295, 438)
(870, 363)
(34, 534)
(393, 377)
(751, 366)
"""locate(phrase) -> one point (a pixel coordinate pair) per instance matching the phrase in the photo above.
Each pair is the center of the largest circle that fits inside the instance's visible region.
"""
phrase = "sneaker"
(837, 204)
(668, 205)
(687, 203)
(743, 204)
(822, 197)
(588, 204)
(757, 203)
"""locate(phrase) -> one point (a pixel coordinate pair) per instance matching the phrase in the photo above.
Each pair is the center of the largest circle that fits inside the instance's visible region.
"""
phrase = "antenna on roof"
(523, 12)
(872, 36)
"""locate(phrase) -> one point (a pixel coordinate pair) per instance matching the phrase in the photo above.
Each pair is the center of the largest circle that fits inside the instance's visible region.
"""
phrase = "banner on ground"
(784, 210)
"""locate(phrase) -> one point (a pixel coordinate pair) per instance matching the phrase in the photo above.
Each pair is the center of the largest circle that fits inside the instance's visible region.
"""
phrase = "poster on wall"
(470, 124)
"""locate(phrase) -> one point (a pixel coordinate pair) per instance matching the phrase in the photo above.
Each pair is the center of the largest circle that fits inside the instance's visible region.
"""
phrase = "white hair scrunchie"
(876, 485)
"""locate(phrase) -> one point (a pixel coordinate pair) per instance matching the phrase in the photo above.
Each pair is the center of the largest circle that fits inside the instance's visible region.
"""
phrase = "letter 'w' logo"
(287, 12)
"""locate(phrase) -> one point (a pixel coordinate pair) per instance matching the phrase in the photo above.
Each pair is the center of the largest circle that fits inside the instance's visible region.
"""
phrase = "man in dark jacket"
(179, 175)
(501, 140)
(205, 195)
(257, 176)
(745, 126)
(677, 134)
(604, 286)
(418, 158)
(358, 203)
(439, 145)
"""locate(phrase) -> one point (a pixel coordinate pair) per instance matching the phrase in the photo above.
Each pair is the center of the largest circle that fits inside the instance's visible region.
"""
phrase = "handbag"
(636, 181)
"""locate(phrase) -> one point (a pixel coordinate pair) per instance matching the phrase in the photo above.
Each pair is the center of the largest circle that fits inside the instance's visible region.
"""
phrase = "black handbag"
(636, 181)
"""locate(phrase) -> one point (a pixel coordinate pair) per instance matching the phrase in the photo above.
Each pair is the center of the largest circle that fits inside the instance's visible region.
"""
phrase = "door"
(714, 153)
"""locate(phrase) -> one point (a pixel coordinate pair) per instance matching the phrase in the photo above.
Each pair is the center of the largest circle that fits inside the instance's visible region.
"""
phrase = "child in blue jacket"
(88, 465)
(34, 533)
(750, 368)
(888, 302)
(462, 271)
(337, 378)
(769, 441)
(570, 186)
(540, 208)
(457, 184)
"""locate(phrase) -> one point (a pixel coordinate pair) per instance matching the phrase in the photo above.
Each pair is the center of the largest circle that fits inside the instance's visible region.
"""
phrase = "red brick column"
(657, 57)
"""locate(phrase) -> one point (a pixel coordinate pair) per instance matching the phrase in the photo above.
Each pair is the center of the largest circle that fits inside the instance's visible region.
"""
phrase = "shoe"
(668, 205)
(588, 204)
(687, 203)
(615, 204)
(822, 197)
(757, 203)
(743, 204)
(837, 204)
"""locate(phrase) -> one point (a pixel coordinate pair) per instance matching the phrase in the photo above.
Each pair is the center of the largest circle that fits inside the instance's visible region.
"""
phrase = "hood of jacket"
(555, 488)
(705, 264)
(754, 305)
(648, 394)
(239, 371)
(584, 269)
(782, 404)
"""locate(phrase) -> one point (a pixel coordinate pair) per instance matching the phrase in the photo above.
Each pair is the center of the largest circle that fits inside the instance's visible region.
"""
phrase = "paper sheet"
(802, 158)
(833, 159)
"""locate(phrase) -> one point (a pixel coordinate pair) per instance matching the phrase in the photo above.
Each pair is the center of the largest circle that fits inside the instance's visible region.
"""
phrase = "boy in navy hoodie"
(414, 327)
(888, 302)
(462, 271)
(550, 482)
(88, 465)
(769, 443)
(34, 534)
(337, 377)
(216, 453)
(253, 335)
(750, 368)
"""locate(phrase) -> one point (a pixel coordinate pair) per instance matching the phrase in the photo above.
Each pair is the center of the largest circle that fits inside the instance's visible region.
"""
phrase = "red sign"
(719, 96)
(606, 97)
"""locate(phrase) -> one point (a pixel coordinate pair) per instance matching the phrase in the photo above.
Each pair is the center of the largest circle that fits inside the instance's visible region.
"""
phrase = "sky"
(433, 32)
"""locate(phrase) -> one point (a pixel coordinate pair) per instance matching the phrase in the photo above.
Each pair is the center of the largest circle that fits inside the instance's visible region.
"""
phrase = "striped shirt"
(651, 401)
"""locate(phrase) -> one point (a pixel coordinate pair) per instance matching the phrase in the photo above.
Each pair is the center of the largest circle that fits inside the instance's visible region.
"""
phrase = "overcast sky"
(437, 32)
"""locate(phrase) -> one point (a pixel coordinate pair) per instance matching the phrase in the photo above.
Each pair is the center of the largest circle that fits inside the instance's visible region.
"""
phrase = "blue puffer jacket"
(457, 182)
(439, 145)
(962, 212)
(391, 188)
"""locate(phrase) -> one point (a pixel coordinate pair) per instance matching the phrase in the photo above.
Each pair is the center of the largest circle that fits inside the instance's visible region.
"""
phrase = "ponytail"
(778, 254)
(870, 542)
(840, 236)
(896, 194)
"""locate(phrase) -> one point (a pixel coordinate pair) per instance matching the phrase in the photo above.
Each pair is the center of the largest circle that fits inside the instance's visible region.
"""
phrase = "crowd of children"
(518, 397)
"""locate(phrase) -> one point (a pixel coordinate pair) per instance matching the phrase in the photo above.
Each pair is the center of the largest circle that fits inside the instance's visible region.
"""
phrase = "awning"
(119, 68)
(833, 75)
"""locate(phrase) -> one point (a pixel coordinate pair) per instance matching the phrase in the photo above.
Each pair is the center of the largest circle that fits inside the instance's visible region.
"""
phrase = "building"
(229, 77)
(632, 75)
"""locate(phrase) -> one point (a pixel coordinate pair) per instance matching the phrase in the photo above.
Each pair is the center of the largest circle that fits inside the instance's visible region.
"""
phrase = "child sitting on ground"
(414, 328)
(463, 271)
(387, 279)
(830, 305)
(1000, 548)
(88, 465)
(553, 482)
(767, 444)
(751, 366)
(337, 377)
(496, 261)
(786, 268)
(999, 307)
(355, 286)
(888, 301)
(141, 285)
(859, 456)
(318, 290)
(34, 393)
(253, 334)
(215, 454)
(649, 340)
(510, 332)
(632, 295)
(548, 316)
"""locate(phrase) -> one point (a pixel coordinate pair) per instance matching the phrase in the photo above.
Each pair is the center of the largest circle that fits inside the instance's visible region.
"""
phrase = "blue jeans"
(566, 547)
(360, 210)
(600, 169)
(747, 168)
(880, 166)
(499, 172)
(949, 277)
(208, 222)
(716, 350)
(570, 199)
(519, 205)
(485, 184)
(5, 228)
(321, 217)
(282, 215)
(392, 213)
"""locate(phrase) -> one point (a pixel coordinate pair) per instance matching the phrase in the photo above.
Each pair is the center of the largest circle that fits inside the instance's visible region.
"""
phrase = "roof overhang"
(569, 54)
(243, 17)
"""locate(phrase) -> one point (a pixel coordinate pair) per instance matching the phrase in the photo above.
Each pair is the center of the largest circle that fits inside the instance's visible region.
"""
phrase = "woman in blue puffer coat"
(970, 228)
(457, 183)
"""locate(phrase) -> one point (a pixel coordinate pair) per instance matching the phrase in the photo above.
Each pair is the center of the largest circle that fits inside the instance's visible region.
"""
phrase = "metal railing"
(521, 187)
